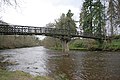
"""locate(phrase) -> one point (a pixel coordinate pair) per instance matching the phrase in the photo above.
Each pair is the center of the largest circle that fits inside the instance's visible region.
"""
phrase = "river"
(79, 65)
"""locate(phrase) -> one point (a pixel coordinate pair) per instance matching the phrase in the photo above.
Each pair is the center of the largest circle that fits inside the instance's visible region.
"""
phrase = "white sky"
(40, 12)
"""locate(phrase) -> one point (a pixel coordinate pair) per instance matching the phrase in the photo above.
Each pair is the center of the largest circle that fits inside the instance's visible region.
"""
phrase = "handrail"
(30, 30)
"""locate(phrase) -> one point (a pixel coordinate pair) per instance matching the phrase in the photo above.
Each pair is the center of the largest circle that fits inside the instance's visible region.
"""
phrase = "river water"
(79, 65)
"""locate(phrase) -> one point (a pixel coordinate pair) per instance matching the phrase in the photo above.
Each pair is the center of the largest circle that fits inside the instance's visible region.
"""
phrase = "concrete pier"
(65, 46)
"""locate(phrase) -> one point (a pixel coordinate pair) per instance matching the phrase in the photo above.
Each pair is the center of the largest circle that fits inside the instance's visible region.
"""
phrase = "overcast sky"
(40, 12)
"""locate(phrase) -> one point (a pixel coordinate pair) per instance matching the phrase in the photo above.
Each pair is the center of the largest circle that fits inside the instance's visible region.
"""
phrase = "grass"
(19, 75)
(92, 45)
(113, 46)
(81, 49)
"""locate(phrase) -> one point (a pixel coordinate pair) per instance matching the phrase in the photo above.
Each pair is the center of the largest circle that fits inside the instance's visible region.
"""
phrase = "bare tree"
(8, 2)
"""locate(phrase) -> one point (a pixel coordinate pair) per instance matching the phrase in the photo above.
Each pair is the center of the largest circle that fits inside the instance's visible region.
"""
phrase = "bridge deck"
(29, 30)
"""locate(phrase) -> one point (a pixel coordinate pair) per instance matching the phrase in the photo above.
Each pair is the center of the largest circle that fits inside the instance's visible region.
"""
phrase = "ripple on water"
(79, 65)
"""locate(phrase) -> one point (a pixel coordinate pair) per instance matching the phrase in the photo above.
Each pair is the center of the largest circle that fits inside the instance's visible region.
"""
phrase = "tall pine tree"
(66, 22)
(92, 17)
(112, 15)
(86, 17)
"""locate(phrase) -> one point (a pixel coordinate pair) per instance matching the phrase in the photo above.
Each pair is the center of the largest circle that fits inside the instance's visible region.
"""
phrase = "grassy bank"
(92, 45)
(111, 46)
(16, 75)
(83, 45)
(19, 75)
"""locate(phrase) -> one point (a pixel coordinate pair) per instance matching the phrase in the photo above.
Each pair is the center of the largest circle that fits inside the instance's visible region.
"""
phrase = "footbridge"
(53, 32)
(64, 35)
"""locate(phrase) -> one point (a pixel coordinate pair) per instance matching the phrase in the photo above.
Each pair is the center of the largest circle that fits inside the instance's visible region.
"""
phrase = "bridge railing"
(16, 29)
(29, 30)
(5, 29)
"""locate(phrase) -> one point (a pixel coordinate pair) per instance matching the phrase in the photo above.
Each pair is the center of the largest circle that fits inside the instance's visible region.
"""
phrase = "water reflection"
(93, 66)
(60, 65)
(96, 66)
(78, 66)
(86, 66)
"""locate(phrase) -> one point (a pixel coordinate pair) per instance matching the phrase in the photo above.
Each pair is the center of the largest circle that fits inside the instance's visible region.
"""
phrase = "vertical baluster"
(28, 30)
(7, 29)
(35, 30)
(21, 29)
(40, 30)
(17, 29)
(13, 29)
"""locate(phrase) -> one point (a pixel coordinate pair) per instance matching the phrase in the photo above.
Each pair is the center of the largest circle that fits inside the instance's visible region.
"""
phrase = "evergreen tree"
(66, 22)
(86, 17)
(92, 17)
(112, 15)
(98, 18)
(118, 12)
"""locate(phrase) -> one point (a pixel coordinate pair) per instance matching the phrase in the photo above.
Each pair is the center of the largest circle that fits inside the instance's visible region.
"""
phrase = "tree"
(51, 42)
(12, 3)
(50, 25)
(66, 22)
(60, 23)
(8, 2)
(98, 21)
(86, 17)
(118, 7)
(118, 12)
(92, 17)
(112, 15)
(71, 24)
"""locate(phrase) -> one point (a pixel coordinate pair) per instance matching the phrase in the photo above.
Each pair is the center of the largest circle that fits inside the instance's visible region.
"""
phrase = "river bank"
(19, 75)
(86, 49)
(92, 45)
(16, 75)
(83, 44)
(7, 48)
(16, 41)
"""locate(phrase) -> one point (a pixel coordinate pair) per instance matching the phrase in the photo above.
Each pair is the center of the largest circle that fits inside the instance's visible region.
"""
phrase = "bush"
(14, 41)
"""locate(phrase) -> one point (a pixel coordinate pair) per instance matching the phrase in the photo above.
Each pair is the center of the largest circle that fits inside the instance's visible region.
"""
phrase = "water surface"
(77, 66)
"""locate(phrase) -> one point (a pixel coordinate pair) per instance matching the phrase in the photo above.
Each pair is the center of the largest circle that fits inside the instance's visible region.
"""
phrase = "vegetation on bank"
(51, 43)
(16, 75)
(83, 44)
(112, 46)
(19, 75)
(15, 41)
(89, 44)
(92, 22)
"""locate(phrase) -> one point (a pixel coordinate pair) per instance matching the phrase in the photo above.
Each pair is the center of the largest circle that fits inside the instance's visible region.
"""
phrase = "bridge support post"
(100, 43)
(65, 47)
